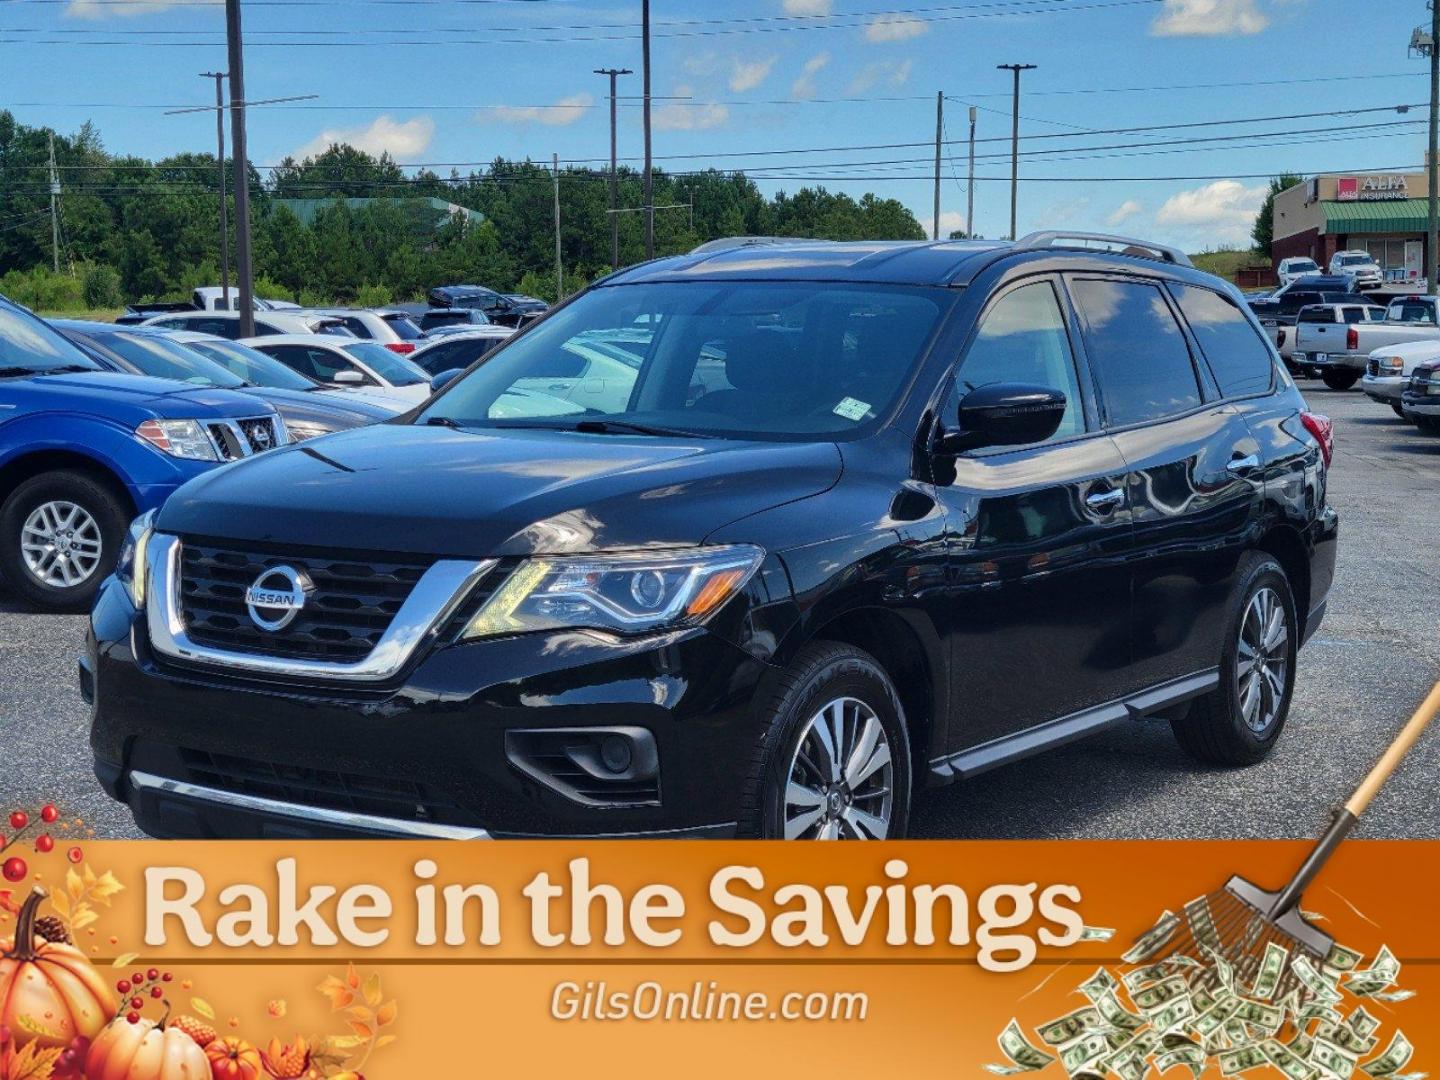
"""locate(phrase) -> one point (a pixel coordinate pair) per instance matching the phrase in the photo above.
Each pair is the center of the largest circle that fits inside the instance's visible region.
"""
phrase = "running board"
(1068, 729)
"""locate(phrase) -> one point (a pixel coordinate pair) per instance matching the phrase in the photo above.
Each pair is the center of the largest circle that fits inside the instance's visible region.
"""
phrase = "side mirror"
(348, 378)
(1005, 414)
(444, 379)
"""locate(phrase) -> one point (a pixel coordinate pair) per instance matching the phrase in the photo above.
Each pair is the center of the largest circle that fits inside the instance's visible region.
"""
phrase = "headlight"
(130, 571)
(300, 430)
(179, 438)
(1391, 365)
(628, 594)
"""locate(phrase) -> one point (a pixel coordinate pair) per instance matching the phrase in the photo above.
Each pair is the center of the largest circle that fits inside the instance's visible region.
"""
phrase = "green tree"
(1262, 234)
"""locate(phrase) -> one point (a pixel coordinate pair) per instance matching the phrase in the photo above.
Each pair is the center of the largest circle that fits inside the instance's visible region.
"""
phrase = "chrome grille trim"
(440, 590)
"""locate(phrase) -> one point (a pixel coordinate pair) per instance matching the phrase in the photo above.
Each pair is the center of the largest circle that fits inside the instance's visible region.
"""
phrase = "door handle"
(1105, 501)
(1239, 466)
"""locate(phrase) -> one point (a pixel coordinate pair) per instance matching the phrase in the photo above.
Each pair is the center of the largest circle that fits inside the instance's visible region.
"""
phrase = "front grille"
(1372, 368)
(1421, 379)
(260, 433)
(242, 438)
(354, 601)
(381, 796)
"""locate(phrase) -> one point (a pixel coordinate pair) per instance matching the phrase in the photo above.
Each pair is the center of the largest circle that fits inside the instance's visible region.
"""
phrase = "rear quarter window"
(1238, 357)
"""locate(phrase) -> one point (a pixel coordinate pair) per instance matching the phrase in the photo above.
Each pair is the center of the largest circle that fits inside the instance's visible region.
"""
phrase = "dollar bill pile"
(1197, 1012)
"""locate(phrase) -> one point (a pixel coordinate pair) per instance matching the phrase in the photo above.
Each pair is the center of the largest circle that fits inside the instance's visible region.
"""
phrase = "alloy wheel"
(61, 544)
(841, 780)
(1263, 660)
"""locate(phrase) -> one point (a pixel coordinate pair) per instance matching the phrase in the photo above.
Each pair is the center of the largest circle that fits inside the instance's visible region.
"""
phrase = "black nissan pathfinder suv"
(745, 542)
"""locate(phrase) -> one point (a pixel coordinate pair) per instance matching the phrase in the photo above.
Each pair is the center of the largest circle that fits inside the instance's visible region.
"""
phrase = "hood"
(103, 392)
(1410, 352)
(463, 494)
(304, 406)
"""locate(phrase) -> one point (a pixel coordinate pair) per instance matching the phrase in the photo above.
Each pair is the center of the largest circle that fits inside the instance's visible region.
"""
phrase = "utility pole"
(970, 182)
(219, 77)
(645, 76)
(1432, 234)
(244, 272)
(939, 135)
(614, 175)
(54, 206)
(1015, 70)
(559, 269)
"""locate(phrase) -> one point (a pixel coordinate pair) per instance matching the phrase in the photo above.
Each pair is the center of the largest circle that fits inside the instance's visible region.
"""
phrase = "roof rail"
(1124, 245)
(729, 243)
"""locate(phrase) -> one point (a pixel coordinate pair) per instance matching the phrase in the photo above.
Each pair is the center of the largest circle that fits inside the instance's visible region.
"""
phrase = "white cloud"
(748, 74)
(681, 117)
(894, 28)
(808, 7)
(403, 140)
(561, 114)
(91, 9)
(1216, 215)
(1208, 18)
(1124, 212)
(804, 86)
(894, 73)
(950, 221)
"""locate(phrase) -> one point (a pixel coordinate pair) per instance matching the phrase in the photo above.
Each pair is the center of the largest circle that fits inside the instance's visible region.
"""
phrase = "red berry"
(49, 814)
(19, 819)
(133, 1017)
(123, 986)
(44, 843)
(138, 978)
(75, 854)
(15, 869)
(152, 974)
(166, 977)
(137, 1003)
(157, 993)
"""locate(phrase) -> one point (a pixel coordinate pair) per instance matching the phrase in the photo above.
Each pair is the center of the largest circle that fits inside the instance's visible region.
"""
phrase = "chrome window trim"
(440, 590)
(143, 781)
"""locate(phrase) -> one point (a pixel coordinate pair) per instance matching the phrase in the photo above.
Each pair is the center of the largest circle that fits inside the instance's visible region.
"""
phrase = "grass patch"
(1226, 263)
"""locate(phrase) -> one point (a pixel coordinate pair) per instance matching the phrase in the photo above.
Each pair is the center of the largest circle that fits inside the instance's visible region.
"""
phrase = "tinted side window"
(1136, 350)
(442, 358)
(1022, 339)
(1309, 315)
(1238, 358)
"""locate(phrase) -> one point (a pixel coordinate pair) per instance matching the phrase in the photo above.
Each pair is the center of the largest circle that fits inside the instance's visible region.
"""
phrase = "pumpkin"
(233, 1059)
(145, 1051)
(50, 985)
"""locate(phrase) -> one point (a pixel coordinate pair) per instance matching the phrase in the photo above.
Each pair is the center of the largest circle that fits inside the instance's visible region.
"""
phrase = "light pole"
(244, 272)
(219, 77)
(939, 134)
(970, 181)
(1015, 70)
(614, 177)
(645, 77)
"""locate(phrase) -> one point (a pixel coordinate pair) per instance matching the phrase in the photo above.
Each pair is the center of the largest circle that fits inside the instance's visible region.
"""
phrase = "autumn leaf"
(73, 884)
(372, 990)
(365, 1031)
(344, 1042)
(124, 959)
(203, 1007)
(339, 994)
(105, 887)
(386, 1013)
(33, 1063)
(35, 1027)
(384, 1040)
(88, 876)
(61, 903)
(352, 977)
(84, 915)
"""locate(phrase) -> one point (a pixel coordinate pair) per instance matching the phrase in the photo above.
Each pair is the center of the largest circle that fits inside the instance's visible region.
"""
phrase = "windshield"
(251, 365)
(1354, 260)
(404, 329)
(391, 367)
(1411, 312)
(26, 342)
(746, 359)
(165, 359)
(1303, 266)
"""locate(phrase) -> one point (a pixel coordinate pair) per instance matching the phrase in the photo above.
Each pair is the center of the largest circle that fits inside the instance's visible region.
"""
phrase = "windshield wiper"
(442, 421)
(625, 427)
(18, 371)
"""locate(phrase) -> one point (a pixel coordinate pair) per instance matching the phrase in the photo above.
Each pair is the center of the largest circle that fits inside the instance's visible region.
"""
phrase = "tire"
(795, 711)
(1399, 410)
(1216, 730)
(1339, 379)
(1428, 425)
(96, 533)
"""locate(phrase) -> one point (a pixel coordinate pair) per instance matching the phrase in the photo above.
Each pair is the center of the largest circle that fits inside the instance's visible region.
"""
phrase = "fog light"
(615, 753)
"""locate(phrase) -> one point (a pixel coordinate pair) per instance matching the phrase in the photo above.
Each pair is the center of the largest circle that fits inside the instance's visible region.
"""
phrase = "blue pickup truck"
(83, 451)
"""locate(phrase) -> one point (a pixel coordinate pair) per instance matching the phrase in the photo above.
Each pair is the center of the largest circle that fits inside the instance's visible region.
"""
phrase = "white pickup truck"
(1341, 353)
(1388, 371)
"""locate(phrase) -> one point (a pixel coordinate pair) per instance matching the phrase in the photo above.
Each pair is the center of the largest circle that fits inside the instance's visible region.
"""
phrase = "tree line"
(140, 230)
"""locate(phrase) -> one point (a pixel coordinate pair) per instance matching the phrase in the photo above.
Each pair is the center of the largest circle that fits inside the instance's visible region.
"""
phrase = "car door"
(1195, 475)
(1038, 538)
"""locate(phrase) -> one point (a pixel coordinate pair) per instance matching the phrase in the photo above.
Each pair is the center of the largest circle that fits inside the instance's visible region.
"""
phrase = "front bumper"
(1348, 361)
(198, 752)
(1386, 389)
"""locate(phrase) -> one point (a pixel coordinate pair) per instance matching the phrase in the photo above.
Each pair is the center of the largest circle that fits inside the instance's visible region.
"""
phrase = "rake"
(1239, 921)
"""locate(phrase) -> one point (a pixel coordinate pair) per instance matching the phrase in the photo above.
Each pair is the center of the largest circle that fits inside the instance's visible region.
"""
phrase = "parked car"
(1278, 312)
(141, 350)
(1320, 329)
(773, 609)
(1407, 319)
(256, 368)
(499, 333)
(83, 450)
(352, 364)
(1388, 371)
(458, 350)
(1421, 400)
(393, 329)
(497, 307)
(226, 324)
(205, 298)
(1359, 265)
(1292, 268)
(527, 303)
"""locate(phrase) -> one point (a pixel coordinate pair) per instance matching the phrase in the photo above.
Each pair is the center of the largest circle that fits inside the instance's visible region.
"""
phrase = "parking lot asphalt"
(1371, 662)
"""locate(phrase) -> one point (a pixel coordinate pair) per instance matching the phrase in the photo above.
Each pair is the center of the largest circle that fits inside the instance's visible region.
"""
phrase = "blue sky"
(455, 81)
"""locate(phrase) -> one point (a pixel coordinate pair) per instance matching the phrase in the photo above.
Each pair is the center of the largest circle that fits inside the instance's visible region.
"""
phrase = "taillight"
(402, 347)
(1352, 339)
(1324, 433)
